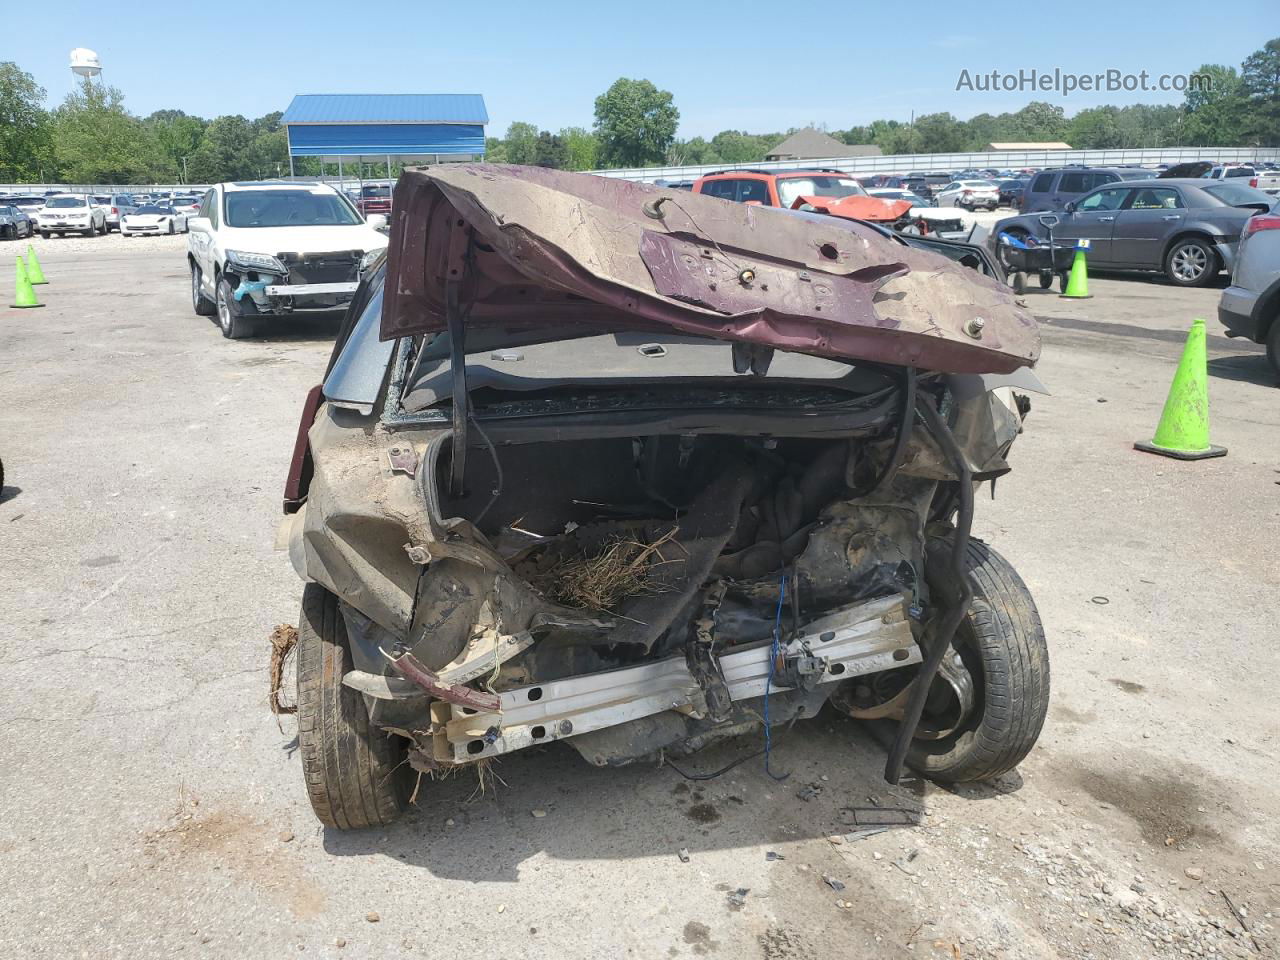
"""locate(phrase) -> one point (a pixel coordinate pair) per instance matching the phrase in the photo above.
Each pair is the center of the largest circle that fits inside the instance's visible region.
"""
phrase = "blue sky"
(745, 65)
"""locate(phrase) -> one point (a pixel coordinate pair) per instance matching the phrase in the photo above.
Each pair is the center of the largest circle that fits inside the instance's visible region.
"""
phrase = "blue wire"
(774, 649)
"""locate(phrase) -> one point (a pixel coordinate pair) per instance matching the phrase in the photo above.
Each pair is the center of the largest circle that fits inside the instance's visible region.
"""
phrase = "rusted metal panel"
(409, 667)
(556, 246)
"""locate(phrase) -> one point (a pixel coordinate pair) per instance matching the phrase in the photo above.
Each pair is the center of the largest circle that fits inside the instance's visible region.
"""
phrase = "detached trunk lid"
(527, 246)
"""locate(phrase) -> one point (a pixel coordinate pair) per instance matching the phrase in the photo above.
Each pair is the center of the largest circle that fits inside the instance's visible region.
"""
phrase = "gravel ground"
(152, 807)
(110, 245)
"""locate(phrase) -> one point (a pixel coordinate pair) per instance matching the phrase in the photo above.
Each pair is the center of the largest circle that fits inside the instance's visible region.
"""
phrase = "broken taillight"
(1253, 182)
(1261, 221)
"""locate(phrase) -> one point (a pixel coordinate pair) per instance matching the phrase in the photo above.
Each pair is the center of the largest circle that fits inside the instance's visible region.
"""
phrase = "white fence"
(904, 163)
(931, 162)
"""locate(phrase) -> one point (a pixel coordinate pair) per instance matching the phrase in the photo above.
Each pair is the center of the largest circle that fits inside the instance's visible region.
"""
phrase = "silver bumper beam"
(309, 289)
(856, 640)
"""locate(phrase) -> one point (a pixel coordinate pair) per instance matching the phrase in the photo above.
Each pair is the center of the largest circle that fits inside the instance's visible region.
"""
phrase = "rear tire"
(1002, 643)
(1191, 262)
(1273, 345)
(199, 302)
(356, 776)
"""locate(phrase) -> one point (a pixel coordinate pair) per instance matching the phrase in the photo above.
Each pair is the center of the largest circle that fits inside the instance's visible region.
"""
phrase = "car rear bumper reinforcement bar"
(309, 289)
(860, 639)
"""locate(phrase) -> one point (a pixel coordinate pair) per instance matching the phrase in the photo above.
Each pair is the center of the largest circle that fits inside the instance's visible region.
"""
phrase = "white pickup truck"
(274, 248)
(1266, 181)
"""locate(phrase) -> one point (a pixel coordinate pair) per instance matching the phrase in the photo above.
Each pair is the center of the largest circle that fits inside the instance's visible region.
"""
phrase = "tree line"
(92, 138)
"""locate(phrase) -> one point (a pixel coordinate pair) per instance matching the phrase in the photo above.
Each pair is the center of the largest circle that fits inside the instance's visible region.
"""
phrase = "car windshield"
(287, 208)
(789, 188)
(1238, 195)
(7, 212)
(1133, 174)
(376, 191)
(58, 202)
(104, 200)
(1240, 172)
(154, 208)
(980, 184)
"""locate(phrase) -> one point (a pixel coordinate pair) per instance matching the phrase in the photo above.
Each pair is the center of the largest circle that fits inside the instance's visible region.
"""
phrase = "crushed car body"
(640, 470)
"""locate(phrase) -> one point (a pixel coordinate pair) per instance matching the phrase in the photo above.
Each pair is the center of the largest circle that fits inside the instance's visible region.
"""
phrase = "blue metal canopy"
(333, 125)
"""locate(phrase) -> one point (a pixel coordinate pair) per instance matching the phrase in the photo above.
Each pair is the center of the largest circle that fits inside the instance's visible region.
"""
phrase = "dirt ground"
(150, 805)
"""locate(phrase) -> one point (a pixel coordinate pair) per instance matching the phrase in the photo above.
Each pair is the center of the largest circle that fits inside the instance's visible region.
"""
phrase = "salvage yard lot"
(145, 457)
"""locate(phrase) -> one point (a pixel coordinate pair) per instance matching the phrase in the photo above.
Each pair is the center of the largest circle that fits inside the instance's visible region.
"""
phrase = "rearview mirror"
(376, 220)
(199, 224)
(1070, 207)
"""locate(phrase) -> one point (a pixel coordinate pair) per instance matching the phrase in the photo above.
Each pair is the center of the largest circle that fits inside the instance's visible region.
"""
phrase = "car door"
(947, 195)
(1148, 217)
(1093, 218)
(202, 241)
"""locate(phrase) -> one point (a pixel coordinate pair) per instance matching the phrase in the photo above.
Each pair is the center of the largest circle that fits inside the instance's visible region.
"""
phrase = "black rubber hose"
(891, 465)
(959, 573)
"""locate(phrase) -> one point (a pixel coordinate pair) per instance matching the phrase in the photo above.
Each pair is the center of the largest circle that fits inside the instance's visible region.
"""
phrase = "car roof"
(273, 184)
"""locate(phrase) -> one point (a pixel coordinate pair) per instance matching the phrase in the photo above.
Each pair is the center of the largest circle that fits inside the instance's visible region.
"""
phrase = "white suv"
(275, 248)
(65, 213)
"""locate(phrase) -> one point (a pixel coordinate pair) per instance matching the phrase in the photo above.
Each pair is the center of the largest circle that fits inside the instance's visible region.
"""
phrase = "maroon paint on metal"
(300, 465)
(556, 247)
(409, 667)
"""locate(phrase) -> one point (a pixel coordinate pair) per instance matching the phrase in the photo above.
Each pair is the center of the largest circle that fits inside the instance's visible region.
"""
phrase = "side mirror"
(376, 220)
(1070, 207)
(199, 224)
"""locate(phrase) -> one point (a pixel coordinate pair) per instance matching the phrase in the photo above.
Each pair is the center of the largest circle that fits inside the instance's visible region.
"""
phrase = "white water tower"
(85, 63)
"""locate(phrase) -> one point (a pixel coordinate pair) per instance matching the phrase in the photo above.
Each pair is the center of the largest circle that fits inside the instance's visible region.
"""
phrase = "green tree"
(939, 133)
(635, 123)
(522, 143)
(1260, 85)
(549, 151)
(738, 146)
(224, 152)
(581, 148)
(495, 150)
(26, 144)
(1215, 110)
(97, 141)
(1039, 122)
(1095, 129)
(176, 135)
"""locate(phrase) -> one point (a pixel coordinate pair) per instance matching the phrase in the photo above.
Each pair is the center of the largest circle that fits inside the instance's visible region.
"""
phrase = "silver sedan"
(1186, 229)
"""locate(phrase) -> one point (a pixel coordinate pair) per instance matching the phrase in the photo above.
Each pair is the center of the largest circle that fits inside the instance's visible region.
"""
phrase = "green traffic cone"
(1183, 432)
(1078, 282)
(34, 273)
(24, 296)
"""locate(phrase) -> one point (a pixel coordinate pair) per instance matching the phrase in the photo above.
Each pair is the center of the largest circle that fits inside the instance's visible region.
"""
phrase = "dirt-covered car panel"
(528, 244)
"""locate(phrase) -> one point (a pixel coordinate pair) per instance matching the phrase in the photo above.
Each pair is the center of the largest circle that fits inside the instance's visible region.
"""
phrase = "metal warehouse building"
(412, 127)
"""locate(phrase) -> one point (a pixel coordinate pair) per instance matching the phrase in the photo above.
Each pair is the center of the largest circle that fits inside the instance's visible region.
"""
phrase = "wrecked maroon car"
(639, 470)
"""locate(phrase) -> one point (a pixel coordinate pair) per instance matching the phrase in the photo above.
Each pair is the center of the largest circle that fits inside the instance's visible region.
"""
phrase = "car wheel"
(199, 302)
(235, 326)
(1002, 645)
(1046, 279)
(1191, 262)
(1019, 282)
(356, 775)
(1273, 346)
(8, 233)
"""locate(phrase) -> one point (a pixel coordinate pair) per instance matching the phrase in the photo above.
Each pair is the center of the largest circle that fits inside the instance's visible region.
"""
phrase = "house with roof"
(811, 144)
